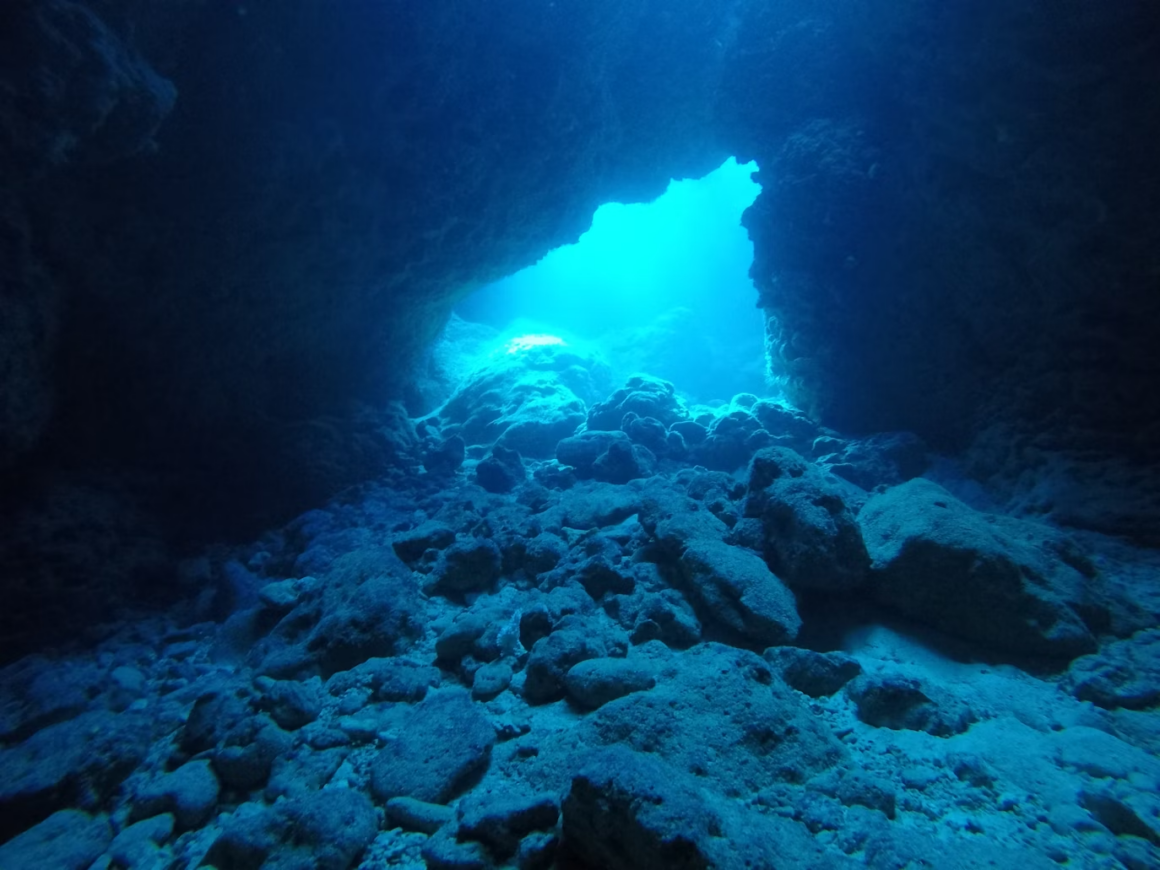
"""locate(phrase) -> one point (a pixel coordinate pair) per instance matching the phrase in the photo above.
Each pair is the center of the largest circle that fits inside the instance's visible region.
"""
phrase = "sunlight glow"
(527, 342)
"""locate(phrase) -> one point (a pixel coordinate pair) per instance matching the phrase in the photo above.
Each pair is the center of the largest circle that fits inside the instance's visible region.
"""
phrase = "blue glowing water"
(661, 287)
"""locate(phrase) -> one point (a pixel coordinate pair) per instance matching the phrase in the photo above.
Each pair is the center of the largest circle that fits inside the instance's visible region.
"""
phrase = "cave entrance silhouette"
(660, 287)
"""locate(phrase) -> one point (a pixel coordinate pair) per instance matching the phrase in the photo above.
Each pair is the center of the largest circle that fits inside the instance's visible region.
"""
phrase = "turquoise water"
(661, 287)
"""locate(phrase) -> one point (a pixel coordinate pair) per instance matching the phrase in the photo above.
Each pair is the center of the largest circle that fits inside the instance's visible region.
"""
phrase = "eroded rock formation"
(229, 231)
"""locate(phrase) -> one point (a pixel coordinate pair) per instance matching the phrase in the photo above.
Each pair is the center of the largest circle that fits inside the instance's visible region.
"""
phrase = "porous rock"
(68, 839)
(442, 744)
(595, 682)
(734, 591)
(811, 538)
(996, 580)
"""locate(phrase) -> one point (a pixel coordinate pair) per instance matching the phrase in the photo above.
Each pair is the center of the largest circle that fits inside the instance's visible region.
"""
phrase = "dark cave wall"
(226, 225)
(959, 236)
(330, 180)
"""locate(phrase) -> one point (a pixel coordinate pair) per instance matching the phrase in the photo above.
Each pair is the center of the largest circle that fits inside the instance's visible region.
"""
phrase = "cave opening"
(660, 287)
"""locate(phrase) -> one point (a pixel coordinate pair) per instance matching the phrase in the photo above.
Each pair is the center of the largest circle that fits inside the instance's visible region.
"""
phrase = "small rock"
(190, 793)
(813, 673)
(415, 815)
(898, 702)
(443, 744)
(66, 840)
(490, 680)
(595, 682)
(501, 822)
(502, 471)
(137, 845)
(551, 658)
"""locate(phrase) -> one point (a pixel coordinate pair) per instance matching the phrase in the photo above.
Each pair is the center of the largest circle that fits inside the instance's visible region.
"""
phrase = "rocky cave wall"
(227, 228)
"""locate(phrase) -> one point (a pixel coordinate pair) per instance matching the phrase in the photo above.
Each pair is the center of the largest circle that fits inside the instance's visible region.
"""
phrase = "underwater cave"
(605, 434)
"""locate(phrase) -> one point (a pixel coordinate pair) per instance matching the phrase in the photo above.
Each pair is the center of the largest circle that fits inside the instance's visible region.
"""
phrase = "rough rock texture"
(443, 744)
(336, 717)
(1011, 584)
(809, 534)
(733, 591)
(943, 243)
(526, 399)
(229, 232)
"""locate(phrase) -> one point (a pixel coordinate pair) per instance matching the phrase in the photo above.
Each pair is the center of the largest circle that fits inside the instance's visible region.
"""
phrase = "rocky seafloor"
(587, 627)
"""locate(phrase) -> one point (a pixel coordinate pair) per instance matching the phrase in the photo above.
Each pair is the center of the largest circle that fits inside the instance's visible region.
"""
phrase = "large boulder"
(610, 456)
(525, 399)
(1010, 584)
(811, 538)
(735, 593)
(642, 395)
(442, 745)
(722, 709)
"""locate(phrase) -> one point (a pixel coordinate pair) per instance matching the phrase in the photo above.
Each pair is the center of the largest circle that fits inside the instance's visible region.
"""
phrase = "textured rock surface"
(228, 229)
(1046, 319)
(1007, 583)
(569, 708)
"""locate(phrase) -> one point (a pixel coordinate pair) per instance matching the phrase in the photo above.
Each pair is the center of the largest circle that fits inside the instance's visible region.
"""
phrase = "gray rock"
(734, 592)
(444, 457)
(305, 769)
(414, 815)
(812, 673)
(856, 788)
(66, 840)
(812, 540)
(691, 432)
(89, 755)
(721, 713)
(502, 471)
(632, 811)
(599, 577)
(327, 830)
(581, 451)
(543, 553)
(552, 657)
(190, 793)
(442, 745)
(595, 682)
(623, 462)
(431, 535)
(537, 851)
(1131, 814)
(472, 565)
(459, 638)
(213, 715)
(782, 420)
(500, 822)
(627, 811)
(899, 702)
(644, 395)
(1125, 673)
(291, 703)
(377, 617)
(594, 506)
(443, 851)
(527, 400)
(646, 431)
(883, 459)
(138, 845)
(996, 580)
(675, 520)
(733, 439)
(282, 595)
(246, 755)
(665, 616)
(490, 680)
(386, 679)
